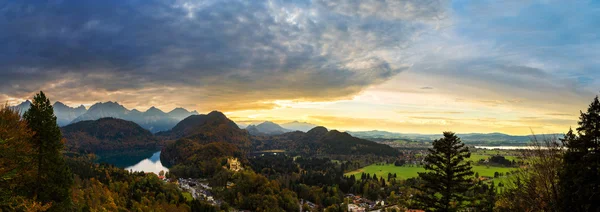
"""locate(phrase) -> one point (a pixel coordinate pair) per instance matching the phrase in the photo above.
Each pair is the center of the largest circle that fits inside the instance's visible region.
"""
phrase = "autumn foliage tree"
(15, 159)
(53, 179)
(535, 186)
(449, 177)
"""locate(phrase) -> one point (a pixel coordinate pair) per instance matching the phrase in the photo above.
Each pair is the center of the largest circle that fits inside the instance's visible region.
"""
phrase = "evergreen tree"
(53, 177)
(580, 176)
(15, 163)
(449, 177)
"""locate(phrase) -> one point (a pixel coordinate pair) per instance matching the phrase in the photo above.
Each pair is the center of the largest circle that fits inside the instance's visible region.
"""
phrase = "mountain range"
(153, 119)
(320, 140)
(271, 128)
(65, 114)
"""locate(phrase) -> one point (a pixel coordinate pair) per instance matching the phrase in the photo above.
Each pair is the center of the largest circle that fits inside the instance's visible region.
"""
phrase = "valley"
(299, 106)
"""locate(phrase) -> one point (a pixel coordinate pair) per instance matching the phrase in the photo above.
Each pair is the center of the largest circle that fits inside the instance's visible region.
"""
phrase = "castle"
(234, 164)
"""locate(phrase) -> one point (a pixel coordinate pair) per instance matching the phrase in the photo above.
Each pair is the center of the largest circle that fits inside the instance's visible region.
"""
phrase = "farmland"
(405, 172)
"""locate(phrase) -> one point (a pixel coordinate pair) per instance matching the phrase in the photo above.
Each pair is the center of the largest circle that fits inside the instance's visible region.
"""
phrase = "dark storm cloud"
(283, 49)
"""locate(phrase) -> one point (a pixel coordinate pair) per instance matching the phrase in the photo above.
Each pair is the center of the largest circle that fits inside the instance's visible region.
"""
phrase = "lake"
(144, 161)
(507, 147)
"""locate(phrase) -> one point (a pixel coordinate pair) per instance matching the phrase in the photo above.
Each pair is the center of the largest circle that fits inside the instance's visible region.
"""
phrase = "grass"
(489, 171)
(475, 157)
(405, 172)
(188, 197)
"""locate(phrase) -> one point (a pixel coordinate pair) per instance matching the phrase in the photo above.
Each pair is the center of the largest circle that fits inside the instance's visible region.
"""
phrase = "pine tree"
(449, 177)
(580, 176)
(15, 162)
(53, 177)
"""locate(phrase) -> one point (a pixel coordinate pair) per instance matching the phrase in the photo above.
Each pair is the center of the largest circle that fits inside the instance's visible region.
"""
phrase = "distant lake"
(143, 161)
(505, 147)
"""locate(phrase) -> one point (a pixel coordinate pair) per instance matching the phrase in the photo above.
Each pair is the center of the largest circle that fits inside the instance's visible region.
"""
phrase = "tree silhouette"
(580, 177)
(53, 177)
(449, 176)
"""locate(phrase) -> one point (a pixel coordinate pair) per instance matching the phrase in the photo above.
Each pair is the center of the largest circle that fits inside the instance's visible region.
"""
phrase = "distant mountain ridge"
(152, 119)
(319, 140)
(300, 126)
(65, 114)
(473, 138)
(23, 107)
(266, 128)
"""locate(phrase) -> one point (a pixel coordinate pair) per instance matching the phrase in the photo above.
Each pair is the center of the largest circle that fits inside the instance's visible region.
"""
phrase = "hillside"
(197, 137)
(212, 127)
(108, 135)
(319, 140)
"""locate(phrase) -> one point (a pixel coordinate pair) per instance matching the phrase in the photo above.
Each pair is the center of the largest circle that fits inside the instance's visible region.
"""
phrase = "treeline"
(196, 160)
(560, 174)
(35, 175)
(108, 135)
(557, 174)
(320, 141)
(109, 188)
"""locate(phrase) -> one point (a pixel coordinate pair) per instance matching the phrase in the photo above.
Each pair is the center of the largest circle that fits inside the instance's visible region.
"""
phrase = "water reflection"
(151, 164)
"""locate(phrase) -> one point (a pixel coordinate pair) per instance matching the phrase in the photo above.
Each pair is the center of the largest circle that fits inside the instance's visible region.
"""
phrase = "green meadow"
(188, 196)
(405, 172)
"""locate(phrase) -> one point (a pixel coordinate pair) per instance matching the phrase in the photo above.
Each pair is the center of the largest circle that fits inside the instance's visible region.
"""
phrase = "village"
(200, 189)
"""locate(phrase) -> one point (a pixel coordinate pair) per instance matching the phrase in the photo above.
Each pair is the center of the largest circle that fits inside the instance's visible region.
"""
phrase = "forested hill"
(321, 141)
(212, 127)
(201, 138)
(108, 135)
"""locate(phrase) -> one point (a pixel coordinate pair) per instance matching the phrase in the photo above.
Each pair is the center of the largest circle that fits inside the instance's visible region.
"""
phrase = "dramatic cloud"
(400, 65)
(252, 52)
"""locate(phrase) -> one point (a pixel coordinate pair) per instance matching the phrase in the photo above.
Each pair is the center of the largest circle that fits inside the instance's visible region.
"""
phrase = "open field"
(476, 156)
(188, 196)
(405, 172)
(489, 171)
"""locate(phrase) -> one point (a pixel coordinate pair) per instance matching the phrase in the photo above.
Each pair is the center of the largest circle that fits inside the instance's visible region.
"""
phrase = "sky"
(418, 66)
